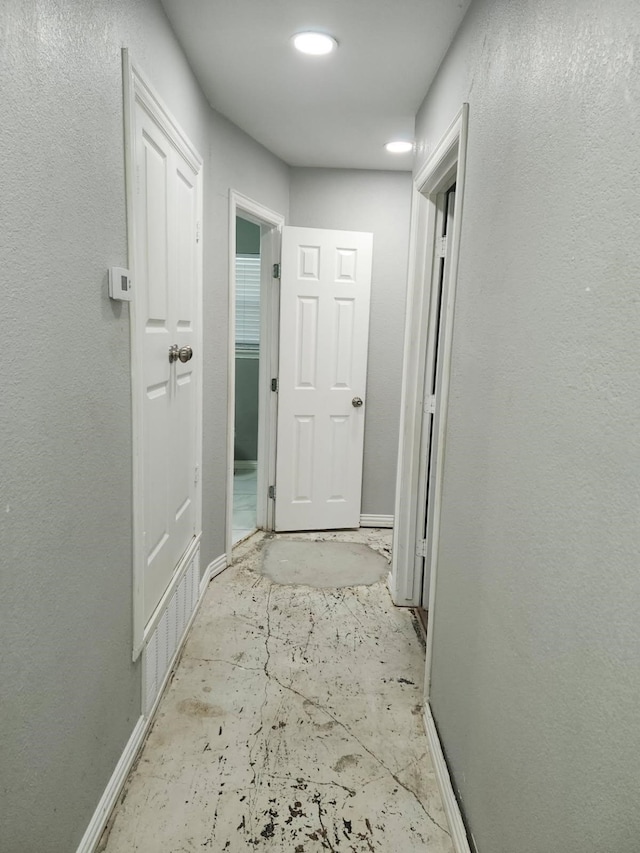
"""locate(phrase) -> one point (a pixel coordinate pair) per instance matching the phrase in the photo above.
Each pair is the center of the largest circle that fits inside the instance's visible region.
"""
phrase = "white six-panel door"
(166, 281)
(324, 328)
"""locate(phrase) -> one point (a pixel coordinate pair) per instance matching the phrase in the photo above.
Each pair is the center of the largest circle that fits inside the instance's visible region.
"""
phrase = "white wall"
(536, 671)
(70, 695)
(359, 200)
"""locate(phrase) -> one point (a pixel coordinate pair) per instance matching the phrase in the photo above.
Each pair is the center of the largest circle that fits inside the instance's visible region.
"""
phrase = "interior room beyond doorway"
(247, 364)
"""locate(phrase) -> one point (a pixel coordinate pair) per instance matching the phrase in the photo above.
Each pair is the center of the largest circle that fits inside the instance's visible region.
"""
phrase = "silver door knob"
(185, 354)
(173, 353)
(357, 402)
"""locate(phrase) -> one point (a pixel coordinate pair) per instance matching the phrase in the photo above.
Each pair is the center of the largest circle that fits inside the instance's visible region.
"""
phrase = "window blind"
(248, 305)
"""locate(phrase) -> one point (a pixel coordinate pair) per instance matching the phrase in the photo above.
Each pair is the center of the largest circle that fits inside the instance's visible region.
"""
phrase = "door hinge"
(421, 548)
(430, 405)
(272, 492)
(441, 247)
(198, 232)
(275, 384)
(276, 270)
(196, 476)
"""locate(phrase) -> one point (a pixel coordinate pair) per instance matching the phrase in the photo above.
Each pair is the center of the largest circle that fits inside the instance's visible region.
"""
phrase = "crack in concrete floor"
(292, 724)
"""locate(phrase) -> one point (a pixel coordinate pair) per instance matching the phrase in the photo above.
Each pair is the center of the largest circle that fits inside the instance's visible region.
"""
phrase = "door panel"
(302, 461)
(153, 271)
(152, 276)
(307, 343)
(182, 454)
(342, 354)
(181, 458)
(324, 326)
(339, 458)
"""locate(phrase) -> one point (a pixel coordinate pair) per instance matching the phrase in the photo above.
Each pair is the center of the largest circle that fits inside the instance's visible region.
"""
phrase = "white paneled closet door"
(166, 266)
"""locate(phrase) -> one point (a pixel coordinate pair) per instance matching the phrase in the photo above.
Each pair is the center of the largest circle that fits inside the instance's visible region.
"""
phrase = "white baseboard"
(376, 521)
(449, 801)
(115, 784)
(245, 464)
(214, 568)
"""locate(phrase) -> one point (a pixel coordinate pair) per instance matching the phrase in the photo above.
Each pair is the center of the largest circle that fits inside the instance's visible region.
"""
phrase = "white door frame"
(446, 165)
(138, 89)
(271, 224)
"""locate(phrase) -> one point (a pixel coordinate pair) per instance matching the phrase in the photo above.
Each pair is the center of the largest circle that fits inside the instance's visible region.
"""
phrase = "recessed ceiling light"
(399, 147)
(315, 44)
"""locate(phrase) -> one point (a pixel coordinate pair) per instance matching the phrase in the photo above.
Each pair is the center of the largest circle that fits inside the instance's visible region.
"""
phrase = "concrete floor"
(292, 724)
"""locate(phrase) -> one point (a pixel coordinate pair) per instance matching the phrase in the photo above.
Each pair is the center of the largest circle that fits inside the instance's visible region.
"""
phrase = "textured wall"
(358, 200)
(536, 679)
(70, 694)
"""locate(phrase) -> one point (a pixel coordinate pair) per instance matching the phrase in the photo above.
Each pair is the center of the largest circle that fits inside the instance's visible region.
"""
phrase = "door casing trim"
(138, 88)
(271, 225)
(446, 164)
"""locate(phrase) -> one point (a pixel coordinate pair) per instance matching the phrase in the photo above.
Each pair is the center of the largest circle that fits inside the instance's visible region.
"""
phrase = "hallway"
(293, 721)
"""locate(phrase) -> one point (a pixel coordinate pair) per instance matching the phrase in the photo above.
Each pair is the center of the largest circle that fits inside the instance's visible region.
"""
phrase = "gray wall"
(359, 200)
(536, 678)
(246, 435)
(70, 695)
(247, 237)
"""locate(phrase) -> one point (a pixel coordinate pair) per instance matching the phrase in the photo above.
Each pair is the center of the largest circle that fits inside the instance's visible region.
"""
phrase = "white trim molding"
(449, 160)
(445, 786)
(111, 793)
(376, 521)
(214, 568)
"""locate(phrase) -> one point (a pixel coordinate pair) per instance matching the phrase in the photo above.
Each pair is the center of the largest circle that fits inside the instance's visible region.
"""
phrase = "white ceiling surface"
(333, 111)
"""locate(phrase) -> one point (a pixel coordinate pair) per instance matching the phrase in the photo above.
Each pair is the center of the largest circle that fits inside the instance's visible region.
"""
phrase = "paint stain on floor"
(290, 725)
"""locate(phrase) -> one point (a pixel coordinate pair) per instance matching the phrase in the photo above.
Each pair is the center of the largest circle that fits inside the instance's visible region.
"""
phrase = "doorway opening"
(300, 347)
(254, 252)
(433, 260)
(247, 368)
(429, 446)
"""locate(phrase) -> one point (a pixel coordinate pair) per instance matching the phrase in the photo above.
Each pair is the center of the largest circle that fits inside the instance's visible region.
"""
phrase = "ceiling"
(333, 111)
